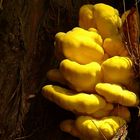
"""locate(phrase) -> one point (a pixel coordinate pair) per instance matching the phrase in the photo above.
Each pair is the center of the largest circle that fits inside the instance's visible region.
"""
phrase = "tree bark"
(24, 60)
(26, 54)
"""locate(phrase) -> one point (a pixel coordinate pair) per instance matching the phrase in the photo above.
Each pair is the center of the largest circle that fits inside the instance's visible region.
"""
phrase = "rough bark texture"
(25, 58)
(27, 28)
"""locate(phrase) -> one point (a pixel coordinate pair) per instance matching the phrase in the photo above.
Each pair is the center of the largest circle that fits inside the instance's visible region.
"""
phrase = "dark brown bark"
(26, 54)
(24, 61)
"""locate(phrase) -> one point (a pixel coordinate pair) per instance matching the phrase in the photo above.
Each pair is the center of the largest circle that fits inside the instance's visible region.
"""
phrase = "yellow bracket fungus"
(87, 128)
(80, 45)
(116, 94)
(72, 101)
(81, 77)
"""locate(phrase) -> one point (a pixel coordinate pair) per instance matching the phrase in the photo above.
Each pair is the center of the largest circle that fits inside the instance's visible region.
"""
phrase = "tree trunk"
(27, 29)
(25, 56)
(26, 53)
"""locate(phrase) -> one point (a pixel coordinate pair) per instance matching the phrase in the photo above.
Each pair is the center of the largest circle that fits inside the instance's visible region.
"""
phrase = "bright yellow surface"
(80, 45)
(102, 17)
(116, 94)
(117, 70)
(72, 101)
(81, 78)
(87, 128)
